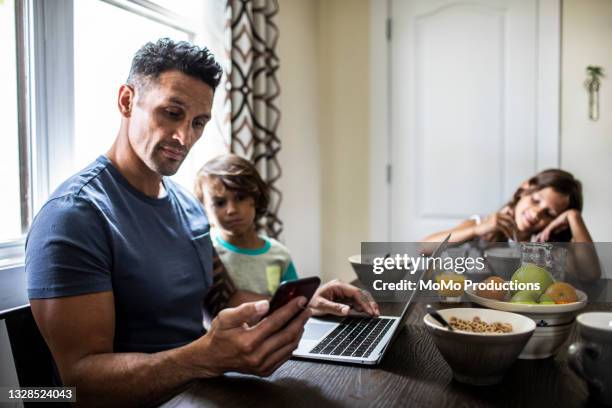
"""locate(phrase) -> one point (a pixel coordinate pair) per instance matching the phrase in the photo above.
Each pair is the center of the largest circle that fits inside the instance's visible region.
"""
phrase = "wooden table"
(412, 373)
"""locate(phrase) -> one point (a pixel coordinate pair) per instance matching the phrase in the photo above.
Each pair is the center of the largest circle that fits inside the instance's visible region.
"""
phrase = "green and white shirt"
(258, 270)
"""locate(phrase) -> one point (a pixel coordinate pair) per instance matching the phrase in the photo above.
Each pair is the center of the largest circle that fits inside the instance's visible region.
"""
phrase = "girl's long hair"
(561, 182)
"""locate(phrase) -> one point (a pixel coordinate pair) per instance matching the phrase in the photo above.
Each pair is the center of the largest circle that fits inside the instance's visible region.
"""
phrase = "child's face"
(232, 212)
(536, 210)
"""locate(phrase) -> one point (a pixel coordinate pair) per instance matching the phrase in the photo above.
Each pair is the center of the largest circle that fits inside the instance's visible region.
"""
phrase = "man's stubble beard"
(164, 167)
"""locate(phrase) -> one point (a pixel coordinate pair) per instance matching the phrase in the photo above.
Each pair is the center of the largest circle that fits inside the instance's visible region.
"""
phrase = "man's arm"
(79, 331)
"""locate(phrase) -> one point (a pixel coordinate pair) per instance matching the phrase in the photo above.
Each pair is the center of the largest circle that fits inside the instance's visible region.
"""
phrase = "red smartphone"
(291, 289)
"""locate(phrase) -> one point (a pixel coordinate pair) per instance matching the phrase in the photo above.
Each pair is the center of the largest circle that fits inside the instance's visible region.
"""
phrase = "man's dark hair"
(165, 54)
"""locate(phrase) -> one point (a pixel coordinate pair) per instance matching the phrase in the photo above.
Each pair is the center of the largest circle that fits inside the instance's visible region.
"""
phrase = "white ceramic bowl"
(480, 358)
(554, 322)
(546, 341)
(598, 321)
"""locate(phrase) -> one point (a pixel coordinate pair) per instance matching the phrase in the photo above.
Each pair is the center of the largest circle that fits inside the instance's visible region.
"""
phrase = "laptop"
(352, 339)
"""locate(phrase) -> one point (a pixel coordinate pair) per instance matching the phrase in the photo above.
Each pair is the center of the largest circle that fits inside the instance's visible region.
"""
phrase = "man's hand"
(240, 341)
(323, 301)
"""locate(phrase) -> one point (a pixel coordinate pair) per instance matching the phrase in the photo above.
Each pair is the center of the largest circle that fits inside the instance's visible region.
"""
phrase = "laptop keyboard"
(354, 337)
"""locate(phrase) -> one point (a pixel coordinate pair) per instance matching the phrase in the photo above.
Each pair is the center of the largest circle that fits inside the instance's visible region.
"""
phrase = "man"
(119, 259)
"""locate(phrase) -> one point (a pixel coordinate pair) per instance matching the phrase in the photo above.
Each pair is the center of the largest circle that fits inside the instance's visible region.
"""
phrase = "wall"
(324, 50)
(324, 74)
(586, 146)
(344, 69)
(299, 131)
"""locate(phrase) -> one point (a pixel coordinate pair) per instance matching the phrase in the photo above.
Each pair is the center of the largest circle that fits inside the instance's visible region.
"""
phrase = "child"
(545, 208)
(235, 197)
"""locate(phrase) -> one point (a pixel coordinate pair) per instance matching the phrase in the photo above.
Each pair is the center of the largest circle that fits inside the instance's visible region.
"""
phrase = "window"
(10, 205)
(75, 55)
(102, 61)
(101, 65)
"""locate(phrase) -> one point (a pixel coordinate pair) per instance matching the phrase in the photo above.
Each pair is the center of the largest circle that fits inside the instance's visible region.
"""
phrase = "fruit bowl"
(528, 308)
(546, 341)
(554, 322)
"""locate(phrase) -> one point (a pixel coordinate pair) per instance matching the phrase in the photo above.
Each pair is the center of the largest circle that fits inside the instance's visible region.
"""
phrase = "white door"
(474, 106)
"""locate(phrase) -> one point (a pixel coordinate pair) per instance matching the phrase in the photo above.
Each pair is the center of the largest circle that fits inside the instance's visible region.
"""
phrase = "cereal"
(478, 326)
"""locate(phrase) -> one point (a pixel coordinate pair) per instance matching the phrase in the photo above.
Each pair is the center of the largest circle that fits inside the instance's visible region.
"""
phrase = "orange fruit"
(562, 292)
(451, 277)
(493, 294)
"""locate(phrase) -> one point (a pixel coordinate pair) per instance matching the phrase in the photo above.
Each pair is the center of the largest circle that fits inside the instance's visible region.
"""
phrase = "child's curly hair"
(236, 174)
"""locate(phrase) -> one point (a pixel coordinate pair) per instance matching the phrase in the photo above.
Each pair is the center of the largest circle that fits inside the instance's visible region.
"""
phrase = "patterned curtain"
(252, 92)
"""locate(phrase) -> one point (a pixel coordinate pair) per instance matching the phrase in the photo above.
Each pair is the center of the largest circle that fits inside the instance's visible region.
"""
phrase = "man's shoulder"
(67, 250)
(65, 213)
(83, 183)
(74, 201)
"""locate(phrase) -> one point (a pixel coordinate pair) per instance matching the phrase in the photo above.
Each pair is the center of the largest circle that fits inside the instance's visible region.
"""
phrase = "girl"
(235, 198)
(545, 208)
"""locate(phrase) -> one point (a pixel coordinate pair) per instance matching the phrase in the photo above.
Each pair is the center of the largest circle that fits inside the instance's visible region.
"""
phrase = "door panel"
(464, 106)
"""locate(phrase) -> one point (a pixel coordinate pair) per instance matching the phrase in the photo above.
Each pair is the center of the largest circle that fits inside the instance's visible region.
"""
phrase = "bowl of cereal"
(483, 344)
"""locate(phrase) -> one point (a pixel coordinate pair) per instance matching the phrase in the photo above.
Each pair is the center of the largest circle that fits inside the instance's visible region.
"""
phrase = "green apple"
(546, 300)
(525, 297)
(531, 273)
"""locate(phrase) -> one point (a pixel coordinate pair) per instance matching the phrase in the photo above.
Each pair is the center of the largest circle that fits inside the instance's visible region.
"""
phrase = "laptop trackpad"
(314, 330)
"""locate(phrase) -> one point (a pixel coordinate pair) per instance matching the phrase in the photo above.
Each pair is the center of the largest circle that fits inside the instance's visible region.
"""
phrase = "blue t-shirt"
(98, 233)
